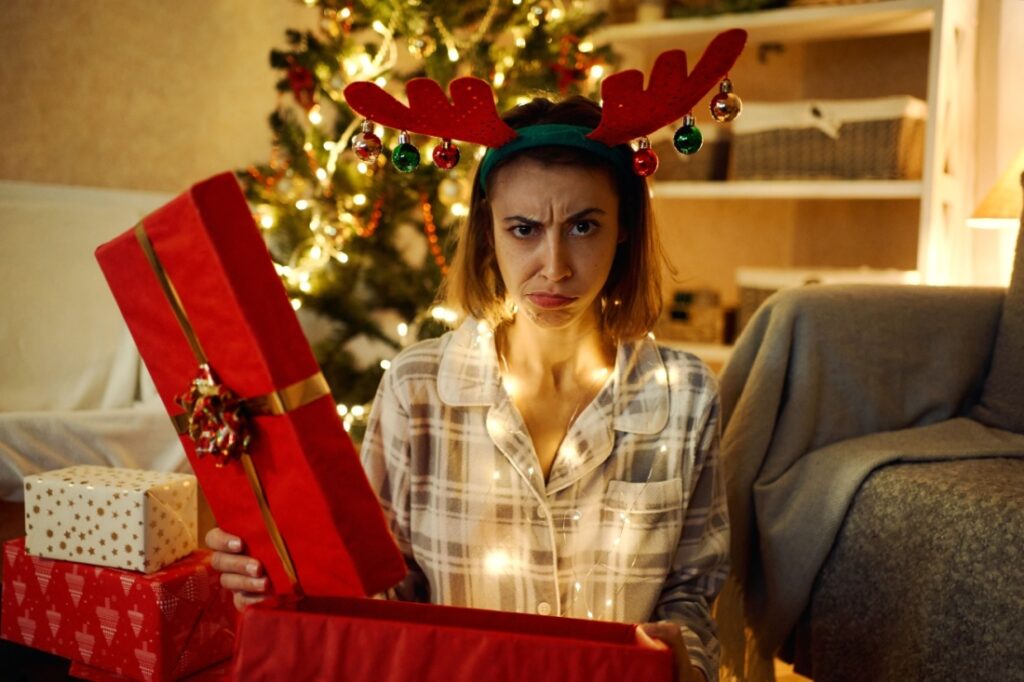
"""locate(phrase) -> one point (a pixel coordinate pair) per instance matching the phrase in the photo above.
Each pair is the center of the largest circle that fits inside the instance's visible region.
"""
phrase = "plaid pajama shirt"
(631, 524)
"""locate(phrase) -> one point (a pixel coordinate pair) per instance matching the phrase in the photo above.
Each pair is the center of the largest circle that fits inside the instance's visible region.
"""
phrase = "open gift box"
(337, 638)
(213, 323)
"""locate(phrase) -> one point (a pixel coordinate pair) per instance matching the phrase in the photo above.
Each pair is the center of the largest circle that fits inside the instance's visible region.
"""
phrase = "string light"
(403, 329)
(359, 199)
(496, 561)
(442, 314)
(296, 303)
(342, 410)
(302, 204)
(385, 365)
(314, 115)
(358, 411)
(431, 230)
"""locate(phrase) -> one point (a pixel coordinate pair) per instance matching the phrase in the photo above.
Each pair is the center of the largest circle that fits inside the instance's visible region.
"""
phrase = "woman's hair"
(631, 299)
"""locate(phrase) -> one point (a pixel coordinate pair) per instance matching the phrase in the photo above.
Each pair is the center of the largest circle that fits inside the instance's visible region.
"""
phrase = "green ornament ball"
(405, 157)
(688, 139)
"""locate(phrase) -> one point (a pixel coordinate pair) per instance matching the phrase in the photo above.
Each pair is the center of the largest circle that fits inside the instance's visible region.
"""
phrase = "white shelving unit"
(942, 193)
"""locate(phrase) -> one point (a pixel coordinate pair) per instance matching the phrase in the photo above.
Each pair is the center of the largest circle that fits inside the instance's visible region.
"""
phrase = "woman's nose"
(556, 263)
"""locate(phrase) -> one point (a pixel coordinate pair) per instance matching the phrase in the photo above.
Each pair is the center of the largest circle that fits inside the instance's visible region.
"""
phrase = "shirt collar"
(469, 375)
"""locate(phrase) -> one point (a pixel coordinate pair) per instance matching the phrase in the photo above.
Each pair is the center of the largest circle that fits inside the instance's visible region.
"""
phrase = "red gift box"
(378, 641)
(195, 284)
(156, 626)
(219, 672)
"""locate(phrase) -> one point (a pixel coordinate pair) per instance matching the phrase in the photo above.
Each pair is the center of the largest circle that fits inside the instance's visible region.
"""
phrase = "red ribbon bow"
(216, 417)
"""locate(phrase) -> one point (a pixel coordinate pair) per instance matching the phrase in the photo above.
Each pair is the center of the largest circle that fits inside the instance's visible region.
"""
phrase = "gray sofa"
(874, 452)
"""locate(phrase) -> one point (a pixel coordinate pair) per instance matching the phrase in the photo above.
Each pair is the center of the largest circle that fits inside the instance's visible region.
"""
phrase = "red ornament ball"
(645, 162)
(446, 155)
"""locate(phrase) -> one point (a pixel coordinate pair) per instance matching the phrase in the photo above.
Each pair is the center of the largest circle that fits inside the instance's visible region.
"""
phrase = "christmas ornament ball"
(367, 146)
(688, 138)
(405, 157)
(726, 105)
(446, 155)
(645, 161)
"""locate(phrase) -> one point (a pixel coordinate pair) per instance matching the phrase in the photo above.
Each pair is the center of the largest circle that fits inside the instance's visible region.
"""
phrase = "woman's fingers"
(220, 541)
(665, 634)
(236, 563)
(243, 599)
(241, 583)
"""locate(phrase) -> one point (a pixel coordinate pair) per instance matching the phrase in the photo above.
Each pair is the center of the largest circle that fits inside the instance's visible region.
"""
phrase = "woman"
(547, 456)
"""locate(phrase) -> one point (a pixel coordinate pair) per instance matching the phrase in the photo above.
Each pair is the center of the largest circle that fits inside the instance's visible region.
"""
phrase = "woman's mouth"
(542, 300)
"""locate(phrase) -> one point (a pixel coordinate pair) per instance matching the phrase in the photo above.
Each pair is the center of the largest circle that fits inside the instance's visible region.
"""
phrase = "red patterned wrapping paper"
(372, 640)
(319, 498)
(152, 627)
(218, 672)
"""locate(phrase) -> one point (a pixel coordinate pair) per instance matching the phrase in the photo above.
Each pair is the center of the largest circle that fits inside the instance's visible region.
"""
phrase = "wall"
(137, 95)
(1000, 125)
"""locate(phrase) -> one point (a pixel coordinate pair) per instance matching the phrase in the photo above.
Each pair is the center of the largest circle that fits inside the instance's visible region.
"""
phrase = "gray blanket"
(827, 384)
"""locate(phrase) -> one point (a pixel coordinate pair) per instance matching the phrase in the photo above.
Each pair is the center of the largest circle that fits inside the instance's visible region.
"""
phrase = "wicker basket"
(880, 139)
(757, 284)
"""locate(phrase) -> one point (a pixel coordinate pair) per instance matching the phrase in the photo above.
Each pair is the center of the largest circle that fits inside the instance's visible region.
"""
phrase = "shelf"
(790, 189)
(803, 24)
(715, 355)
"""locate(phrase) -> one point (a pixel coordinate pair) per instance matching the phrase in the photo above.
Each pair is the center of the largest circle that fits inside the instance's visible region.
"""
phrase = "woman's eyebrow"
(575, 216)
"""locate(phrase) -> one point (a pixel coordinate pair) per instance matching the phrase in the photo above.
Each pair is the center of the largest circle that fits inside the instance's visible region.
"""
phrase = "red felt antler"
(629, 111)
(470, 116)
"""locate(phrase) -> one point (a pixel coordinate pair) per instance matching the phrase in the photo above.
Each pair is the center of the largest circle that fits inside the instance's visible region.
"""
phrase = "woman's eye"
(583, 227)
(523, 230)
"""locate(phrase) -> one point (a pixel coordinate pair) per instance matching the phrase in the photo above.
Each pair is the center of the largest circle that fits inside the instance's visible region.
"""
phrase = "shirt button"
(544, 608)
(539, 511)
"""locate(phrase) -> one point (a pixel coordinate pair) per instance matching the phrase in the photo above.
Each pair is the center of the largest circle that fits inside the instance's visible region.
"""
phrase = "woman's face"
(556, 229)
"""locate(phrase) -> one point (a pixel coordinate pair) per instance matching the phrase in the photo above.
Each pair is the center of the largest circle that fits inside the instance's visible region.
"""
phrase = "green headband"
(556, 135)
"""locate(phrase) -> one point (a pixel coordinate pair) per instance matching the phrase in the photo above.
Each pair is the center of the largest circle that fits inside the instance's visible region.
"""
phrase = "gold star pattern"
(94, 501)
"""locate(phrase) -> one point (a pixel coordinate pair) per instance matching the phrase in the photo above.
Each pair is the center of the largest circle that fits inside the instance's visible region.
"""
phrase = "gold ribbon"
(275, 403)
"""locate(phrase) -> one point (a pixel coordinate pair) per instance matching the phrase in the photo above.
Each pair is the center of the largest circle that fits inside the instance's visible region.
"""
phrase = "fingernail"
(259, 584)
(252, 568)
(235, 545)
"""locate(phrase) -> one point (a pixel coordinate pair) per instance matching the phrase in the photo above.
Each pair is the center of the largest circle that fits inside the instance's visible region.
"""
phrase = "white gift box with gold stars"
(125, 518)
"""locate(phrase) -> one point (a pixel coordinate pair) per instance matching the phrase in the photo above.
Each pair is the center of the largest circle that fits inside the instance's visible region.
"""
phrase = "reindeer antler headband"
(629, 112)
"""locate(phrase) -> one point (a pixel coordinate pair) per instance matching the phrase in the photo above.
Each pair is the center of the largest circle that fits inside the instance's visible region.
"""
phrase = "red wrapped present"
(156, 626)
(218, 672)
(215, 328)
(380, 641)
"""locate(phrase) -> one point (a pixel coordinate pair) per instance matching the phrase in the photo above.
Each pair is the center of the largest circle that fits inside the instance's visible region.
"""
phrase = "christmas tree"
(362, 247)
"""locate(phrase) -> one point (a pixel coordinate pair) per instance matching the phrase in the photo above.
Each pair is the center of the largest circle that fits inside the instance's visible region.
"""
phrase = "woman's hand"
(666, 635)
(239, 573)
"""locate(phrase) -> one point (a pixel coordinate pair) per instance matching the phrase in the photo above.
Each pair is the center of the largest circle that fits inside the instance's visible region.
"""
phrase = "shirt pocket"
(640, 526)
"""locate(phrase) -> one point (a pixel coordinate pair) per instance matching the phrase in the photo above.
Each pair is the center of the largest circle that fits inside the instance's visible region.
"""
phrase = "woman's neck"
(556, 358)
